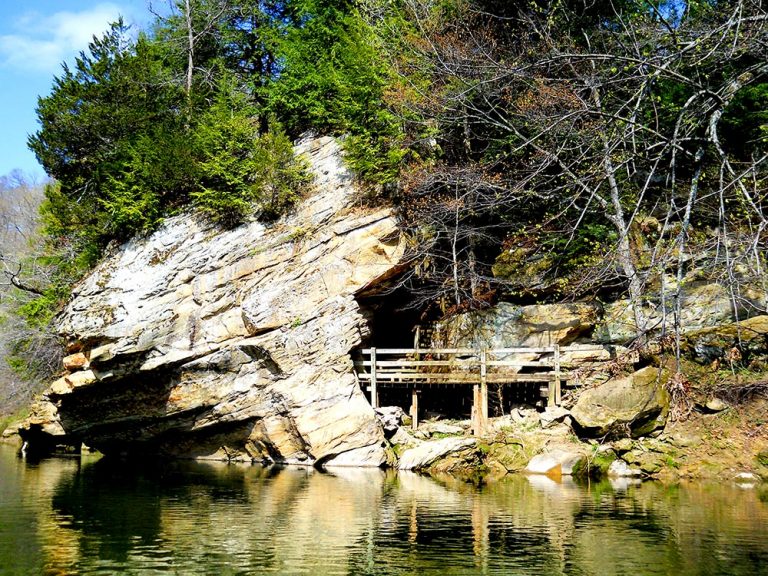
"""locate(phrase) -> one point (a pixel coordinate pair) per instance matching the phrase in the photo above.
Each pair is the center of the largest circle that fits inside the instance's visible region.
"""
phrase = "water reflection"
(86, 517)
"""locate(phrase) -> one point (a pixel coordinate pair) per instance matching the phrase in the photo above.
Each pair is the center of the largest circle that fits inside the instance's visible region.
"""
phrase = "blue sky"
(36, 36)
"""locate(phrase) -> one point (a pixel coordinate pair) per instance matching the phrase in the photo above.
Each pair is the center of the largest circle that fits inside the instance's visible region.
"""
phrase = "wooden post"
(415, 408)
(557, 375)
(476, 415)
(374, 387)
(553, 383)
(483, 389)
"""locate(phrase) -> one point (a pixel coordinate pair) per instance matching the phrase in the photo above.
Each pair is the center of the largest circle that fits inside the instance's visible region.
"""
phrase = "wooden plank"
(546, 363)
(585, 348)
(410, 363)
(493, 352)
(389, 351)
(457, 378)
(521, 350)
(458, 362)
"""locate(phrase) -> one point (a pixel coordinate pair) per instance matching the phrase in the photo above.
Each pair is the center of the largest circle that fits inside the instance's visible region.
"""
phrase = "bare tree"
(576, 123)
(24, 275)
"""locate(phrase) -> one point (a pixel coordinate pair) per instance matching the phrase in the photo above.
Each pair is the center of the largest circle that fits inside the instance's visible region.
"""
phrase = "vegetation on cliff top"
(541, 150)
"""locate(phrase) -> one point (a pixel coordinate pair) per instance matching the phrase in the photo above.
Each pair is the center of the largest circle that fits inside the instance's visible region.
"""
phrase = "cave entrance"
(399, 366)
(396, 322)
(393, 320)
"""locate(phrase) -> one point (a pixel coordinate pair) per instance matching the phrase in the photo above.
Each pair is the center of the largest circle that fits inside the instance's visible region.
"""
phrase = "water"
(85, 516)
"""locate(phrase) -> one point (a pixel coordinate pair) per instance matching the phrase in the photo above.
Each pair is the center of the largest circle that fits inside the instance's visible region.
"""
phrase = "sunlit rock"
(636, 405)
(232, 344)
(423, 455)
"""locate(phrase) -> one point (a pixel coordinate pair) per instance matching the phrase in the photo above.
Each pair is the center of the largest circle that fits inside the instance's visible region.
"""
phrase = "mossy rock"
(649, 462)
(762, 458)
(750, 336)
(512, 457)
(623, 445)
(636, 404)
(594, 467)
(524, 269)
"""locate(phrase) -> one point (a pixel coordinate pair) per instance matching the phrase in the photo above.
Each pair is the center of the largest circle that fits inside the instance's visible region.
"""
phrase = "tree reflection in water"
(66, 516)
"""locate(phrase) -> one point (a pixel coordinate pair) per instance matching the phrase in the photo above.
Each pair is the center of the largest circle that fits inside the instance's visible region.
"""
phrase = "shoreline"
(728, 445)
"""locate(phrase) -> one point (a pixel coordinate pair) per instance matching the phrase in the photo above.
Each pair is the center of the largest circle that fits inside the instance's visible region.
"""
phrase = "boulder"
(636, 404)
(553, 415)
(557, 461)
(232, 344)
(715, 405)
(443, 429)
(401, 440)
(648, 462)
(427, 453)
(746, 478)
(620, 469)
(391, 417)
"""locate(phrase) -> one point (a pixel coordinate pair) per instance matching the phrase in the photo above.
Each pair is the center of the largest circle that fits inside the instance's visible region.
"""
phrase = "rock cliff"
(230, 344)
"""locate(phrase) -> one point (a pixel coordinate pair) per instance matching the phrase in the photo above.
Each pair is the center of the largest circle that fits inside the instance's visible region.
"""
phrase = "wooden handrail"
(468, 366)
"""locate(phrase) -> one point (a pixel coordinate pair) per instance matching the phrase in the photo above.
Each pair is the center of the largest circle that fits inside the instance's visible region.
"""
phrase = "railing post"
(476, 416)
(415, 409)
(554, 383)
(374, 387)
(483, 389)
(557, 375)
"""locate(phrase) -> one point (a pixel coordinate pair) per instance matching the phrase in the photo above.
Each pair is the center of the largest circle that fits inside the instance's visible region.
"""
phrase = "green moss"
(594, 466)
(517, 265)
(10, 419)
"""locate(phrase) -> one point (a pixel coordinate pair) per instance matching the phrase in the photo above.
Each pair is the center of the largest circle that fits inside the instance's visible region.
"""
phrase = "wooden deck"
(418, 368)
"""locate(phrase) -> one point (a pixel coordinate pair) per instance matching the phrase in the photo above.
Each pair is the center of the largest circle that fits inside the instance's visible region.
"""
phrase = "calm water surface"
(86, 516)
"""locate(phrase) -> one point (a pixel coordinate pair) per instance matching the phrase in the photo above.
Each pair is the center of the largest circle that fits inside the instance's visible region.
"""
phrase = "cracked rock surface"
(233, 344)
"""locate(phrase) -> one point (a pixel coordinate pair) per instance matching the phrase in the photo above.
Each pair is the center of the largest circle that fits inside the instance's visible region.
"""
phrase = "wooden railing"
(416, 367)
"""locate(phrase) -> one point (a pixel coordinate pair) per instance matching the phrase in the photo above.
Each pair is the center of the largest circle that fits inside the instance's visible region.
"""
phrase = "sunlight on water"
(72, 516)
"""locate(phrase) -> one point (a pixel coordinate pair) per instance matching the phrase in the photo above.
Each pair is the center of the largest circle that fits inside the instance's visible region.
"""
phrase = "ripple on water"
(72, 516)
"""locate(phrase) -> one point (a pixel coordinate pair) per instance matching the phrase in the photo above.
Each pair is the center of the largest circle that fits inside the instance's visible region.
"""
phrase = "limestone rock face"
(637, 404)
(507, 326)
(718, 342)
(235, 343)
(704, 306)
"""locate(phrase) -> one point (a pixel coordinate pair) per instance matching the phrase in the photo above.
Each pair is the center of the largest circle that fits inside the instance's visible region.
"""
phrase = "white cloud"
(41, 43)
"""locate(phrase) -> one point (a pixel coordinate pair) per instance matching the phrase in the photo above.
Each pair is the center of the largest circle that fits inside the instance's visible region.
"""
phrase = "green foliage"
(745, 122)
(8, 420)
(333, 80)
(103, 128)
(242, 171)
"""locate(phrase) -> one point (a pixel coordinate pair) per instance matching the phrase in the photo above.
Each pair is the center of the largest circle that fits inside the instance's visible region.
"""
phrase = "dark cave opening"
(395, 322)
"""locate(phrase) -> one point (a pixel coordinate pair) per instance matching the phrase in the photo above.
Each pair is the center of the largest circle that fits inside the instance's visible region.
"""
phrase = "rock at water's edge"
(423, 455)
(232, 344)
